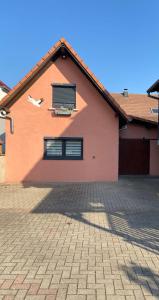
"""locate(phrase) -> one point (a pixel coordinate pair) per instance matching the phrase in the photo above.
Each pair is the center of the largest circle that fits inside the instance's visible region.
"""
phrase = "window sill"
(53, 109)
(63, 158)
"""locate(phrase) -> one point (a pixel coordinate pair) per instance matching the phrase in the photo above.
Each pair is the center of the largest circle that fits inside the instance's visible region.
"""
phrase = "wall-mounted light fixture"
(4, 115)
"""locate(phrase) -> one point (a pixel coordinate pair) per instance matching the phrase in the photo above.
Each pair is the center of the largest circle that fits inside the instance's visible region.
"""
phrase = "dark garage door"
(134, 157)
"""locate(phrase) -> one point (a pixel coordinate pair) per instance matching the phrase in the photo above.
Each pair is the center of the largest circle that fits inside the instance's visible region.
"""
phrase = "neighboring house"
(138, 147)
(4, 89)
(67, 125)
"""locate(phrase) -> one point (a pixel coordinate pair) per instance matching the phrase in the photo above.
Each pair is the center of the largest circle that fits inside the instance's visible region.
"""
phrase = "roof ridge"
(139, 94)
(33, 69)
(7, 100)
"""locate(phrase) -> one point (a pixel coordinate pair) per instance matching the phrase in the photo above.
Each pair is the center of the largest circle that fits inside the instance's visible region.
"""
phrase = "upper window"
(154, 110)
(63, 148)
(64, 95)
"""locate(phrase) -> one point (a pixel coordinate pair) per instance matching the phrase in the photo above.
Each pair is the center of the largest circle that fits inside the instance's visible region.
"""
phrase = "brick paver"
(80, 241)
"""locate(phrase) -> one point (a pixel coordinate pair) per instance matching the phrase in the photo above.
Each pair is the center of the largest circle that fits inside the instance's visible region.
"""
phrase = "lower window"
(63, 148)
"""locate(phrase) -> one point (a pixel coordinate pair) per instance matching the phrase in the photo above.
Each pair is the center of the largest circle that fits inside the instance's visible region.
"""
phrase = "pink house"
(73, 135)
(63, 125)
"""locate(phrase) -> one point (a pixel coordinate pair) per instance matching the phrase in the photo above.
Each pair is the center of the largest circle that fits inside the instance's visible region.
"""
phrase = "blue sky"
(117, 39)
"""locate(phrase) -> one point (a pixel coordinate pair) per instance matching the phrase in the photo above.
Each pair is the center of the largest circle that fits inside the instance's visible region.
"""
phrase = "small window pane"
(54, 148)
(73, 148)
(154, 110)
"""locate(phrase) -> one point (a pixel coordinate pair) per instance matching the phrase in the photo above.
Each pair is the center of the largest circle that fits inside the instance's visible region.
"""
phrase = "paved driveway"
(80, 241)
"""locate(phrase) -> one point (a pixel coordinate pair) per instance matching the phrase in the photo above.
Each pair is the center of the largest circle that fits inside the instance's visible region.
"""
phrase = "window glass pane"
(154, 110)
(54, 148)
(73, 148)
(64, 96)
(63, 148)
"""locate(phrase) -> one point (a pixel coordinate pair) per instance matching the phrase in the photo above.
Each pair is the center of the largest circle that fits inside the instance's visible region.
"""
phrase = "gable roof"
(61, 48)
(138, 107)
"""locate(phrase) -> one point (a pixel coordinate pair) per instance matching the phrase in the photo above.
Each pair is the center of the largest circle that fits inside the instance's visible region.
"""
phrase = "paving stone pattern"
(85, 241)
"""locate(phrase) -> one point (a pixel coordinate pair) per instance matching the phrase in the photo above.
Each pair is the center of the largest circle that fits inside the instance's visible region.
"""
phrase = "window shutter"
(53, 148)
(63, 148)
(73, 148)
(64, 96)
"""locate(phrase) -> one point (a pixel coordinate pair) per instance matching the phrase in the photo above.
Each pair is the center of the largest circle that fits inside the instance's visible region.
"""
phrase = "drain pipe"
(3, 115)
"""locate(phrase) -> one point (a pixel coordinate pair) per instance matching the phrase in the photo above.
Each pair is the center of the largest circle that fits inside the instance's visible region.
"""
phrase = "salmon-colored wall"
(95, 121)
(139, 132)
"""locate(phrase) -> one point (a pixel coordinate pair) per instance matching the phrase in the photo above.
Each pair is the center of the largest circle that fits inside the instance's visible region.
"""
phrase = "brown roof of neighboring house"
(62, 45)
(2, 84)
(138, 106)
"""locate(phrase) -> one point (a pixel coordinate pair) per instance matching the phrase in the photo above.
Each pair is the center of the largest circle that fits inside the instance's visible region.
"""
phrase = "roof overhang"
(154, 87)
(143, 121)
(63, 49)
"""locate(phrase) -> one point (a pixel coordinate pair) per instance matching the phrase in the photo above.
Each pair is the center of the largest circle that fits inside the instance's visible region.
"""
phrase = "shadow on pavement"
(131, 213)
(144, 277)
